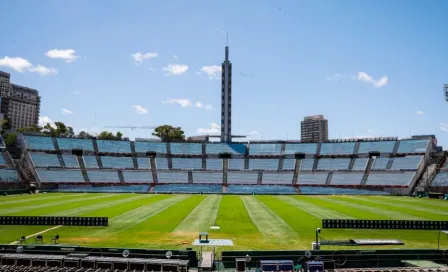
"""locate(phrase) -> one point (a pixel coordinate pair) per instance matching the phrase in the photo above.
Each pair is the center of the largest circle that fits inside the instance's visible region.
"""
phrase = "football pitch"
(252, 222)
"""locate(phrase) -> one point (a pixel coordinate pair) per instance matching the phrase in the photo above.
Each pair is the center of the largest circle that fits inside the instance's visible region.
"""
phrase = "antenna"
(227, 38)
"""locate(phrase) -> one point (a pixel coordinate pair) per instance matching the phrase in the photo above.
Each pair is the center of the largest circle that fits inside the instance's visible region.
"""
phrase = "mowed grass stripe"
(100, 204)
(201, 217)
(33, 198)
(399, 204)
(390, 209)
(315, 210)
(129, 219)
(420, 202)
(233, 217)
(267, 222)
(76, 235)
(31, 209)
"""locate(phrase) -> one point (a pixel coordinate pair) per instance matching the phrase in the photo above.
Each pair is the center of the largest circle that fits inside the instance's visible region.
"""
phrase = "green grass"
(252, 222)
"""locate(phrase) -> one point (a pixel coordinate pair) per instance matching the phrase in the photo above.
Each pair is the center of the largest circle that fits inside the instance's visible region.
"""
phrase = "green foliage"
(32, 128)
(169, 133)
(10, 139)
(84, 135)
(60, 130)
(107, 135)
(4, 126)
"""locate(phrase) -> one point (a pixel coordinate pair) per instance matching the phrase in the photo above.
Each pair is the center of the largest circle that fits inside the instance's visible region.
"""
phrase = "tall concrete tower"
(226, 97)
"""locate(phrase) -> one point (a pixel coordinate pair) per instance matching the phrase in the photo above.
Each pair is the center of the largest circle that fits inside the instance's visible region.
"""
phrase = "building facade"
(19, 105)
(226, 99)
(314, 129)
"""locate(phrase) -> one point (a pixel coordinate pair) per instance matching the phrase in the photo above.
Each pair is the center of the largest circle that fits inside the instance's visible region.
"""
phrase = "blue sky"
(371, 67)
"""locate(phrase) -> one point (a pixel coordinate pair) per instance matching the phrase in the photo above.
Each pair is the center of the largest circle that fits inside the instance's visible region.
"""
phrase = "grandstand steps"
(98, 161)
(356, 147)
(134, 157)
(168, 152)
(260, 178)
(61, 160)
(82, 165)
(190, 177)
(315, 164)
(297, 166)
(389, 164)
(120, 176)
(152, 162)
(328, 181)
(224, 189)
(297, 189)
(151, 189)
(318, 149)
(55, 143)
(367, 172)
(397, 144)
(7, 158)
(225, 168)
(207, 259)
(204, 156)
(352, 163)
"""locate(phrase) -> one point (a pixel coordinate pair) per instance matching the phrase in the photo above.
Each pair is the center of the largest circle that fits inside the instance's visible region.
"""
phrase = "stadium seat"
(44, 160)
(103, 189)
(278, 178)
(187, 163)
(413, 146)
(8, 175)
(346, 148)
(265, 149)
(360, 164)
(242, 177)
(380, 146)
(380, 163)
(143, 163)
(144, 147)
(186, 148)
(70, 161)
(333, 164)
(289, 164)
(117, 162)
(261, 189)
(308, 190)
(114, 146)
(307, 148)
(346, 178)
(263, 164)
(214, 164)
(137, 176)
(207, 177)
(406, 163)
(161, 163)
(60, 175)
(233, 148)
(236, 164)
(389, 179)
(103, 176)
(39, 142)
(90, 161)
(440, 180)
(188, 188)
(71, 143)
(312, 178)
(307, 164)
(172, 177)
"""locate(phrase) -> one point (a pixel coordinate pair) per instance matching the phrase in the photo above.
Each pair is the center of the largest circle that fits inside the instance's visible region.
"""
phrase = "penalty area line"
(35, 234)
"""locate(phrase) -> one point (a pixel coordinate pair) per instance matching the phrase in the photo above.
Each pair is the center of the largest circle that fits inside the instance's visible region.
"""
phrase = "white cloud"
(21, 65)
(183, 102)
(370, 130)
(140, 110)
(152, 69)
(43, 71)
(65, 54)
(91, 131)
(419, 112)
(214, 128)
(176, 57)
(212, 71)
(175, 69)
(66, 111)
(140, 57)
(364, 77)
(443, 126)
(337, 77)
(358, 137)
(254, 133)
(43, 120)
(207, 107)
(76, 92)
(17, 64)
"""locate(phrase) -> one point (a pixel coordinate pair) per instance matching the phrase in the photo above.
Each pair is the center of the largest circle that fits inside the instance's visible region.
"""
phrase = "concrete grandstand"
(355, 166)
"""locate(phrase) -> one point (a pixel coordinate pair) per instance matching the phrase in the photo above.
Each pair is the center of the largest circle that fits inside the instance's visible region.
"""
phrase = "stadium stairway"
(368, 169)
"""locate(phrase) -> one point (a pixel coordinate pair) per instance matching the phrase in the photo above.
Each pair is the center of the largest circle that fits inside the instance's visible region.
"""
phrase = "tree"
(107, 135)
(60, 130)
(84, 135)
(10, 139)
(32, 128)
(4, 126)
(169, 133)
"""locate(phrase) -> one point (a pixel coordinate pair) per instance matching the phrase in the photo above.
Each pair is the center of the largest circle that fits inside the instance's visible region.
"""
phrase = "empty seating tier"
(360, 164)
(242, 177)
(277, 178)
(2, 159)
(380, 163)
(114, 146)
(236, 164)
(70, 144)
(44, 160)
(214, 164)
(413, 146)
(186, 148)
(104, 189)
(261, 189)
(187, 163)
(312, 178)
(441, 179)
(188, 188)
(70, 161)
(337, 148)
(307, 164)
(263, 164)
(333, 164)
(337, 191)
(406, 163)
(8, 175)
(143, 163)
(137, 176)
(381, 146)
(103, 176)
(39, 143)
(289, 164)
(117, 162)
(172, 177)
(60, 176)
(162, 163)
(346, 179)
(90, 162)
(207, 177)
(157, 147)
(216, 148)
(389, 179)
(265, 149)
(307, 148)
